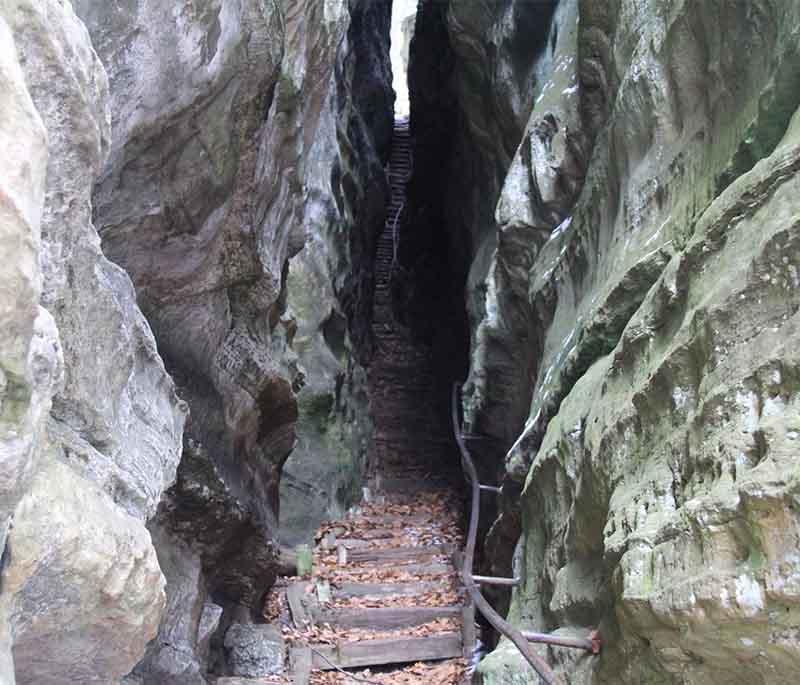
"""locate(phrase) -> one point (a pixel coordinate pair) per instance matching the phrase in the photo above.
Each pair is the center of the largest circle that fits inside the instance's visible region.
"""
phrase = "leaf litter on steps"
(422, 520)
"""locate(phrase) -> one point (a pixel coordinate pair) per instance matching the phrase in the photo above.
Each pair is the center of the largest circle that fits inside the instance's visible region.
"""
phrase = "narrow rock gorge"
(600, 242)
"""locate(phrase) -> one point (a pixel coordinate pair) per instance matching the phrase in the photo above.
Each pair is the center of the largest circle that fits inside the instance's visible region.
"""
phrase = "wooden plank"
(457, 557)
(392, 519)
(468, 635)
(436, 569)
(301, 665)
(385, 589)
(323, 588)
(492, 580)
(296, 596)
(382, 652)
(395, 554)
(379, 533)
(411, 485)
(384, 618)
(354, 543)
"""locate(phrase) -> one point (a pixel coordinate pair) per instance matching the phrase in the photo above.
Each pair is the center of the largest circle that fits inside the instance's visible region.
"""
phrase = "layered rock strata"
(632, 288)
(221, 138)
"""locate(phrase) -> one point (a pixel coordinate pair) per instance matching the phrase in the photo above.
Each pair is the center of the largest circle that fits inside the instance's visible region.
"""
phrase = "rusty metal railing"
(521, 639)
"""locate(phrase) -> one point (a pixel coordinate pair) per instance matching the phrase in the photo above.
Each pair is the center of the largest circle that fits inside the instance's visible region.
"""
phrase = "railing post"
(491, 488)
(538, 664)
(491, 580)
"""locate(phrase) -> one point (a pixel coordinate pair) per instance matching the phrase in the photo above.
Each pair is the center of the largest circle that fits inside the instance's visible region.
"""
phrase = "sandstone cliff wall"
(210, 143)
(91, 422)
(621, 188)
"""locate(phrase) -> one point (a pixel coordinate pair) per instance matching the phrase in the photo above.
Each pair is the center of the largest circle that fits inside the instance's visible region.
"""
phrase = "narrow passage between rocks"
(384, 601)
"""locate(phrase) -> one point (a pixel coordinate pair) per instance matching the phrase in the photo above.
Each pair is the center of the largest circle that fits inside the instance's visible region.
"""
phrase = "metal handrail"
(538, 664)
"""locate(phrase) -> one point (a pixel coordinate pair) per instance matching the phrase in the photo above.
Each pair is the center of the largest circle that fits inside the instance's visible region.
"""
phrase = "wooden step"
(298, 599)
(410, 485)
(383, 652)
(238, 680)
(383, 618)
(399, 554)
(347, 590)
(403, 519)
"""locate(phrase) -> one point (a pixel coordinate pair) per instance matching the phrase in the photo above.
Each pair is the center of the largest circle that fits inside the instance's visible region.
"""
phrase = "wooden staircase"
(385, 594)
(410, 439)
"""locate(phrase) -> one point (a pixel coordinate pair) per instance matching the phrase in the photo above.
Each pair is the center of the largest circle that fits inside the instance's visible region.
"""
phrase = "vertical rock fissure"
(410, 439)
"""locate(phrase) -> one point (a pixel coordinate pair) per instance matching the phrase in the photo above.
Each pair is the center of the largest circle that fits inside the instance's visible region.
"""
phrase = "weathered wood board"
(399, 554)
(387, 618)
(346, 590)
(296, 595)
(301, 665)
(382, 652)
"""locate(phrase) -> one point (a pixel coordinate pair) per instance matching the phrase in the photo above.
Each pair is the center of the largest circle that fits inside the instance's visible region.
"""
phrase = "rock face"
(87, 588)
(323, 474)
(30, 355)
(630, 229)
(245, 158)
(91, 424)
(330, 282)
(209, 143)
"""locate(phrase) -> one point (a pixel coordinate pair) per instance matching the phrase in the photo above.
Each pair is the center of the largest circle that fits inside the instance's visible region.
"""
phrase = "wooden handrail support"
(491, 580)
(538, 664)
(592, 644)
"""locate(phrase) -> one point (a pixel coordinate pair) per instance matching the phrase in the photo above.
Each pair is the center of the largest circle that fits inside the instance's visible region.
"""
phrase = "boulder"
(254, 650)
(83, 589)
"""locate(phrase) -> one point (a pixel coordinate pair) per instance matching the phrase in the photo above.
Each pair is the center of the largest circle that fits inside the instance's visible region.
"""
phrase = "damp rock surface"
(166, 163)
(629, 232)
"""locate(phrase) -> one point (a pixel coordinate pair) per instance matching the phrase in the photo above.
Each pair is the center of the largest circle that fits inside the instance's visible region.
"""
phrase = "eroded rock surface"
(85, 587)
(87, 467)
(29, 347)
(219, 138)
(633, 270)
(246, 135)
(254, 650)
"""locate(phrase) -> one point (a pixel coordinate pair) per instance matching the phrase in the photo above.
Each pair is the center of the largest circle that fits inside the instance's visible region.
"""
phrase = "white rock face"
(229, 130)
(25, 385)
(86, 589)
(81, 585)
(29, 351)
(116, 414)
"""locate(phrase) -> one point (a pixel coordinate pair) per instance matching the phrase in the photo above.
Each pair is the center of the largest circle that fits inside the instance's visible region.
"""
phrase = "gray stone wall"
(621, 190)
(208, 143)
